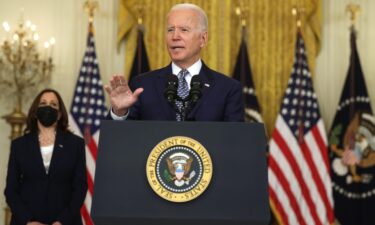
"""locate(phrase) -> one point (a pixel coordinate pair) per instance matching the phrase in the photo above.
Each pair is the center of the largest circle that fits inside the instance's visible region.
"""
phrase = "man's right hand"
(120, 95)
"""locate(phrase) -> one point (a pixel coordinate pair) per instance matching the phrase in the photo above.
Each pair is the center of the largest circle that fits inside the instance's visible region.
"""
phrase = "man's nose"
(176, 34)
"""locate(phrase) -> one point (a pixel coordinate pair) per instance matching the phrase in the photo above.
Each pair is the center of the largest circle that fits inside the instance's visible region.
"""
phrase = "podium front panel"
(237, 194)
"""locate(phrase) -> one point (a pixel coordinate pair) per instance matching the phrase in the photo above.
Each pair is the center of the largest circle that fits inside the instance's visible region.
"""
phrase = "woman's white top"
(47, 156)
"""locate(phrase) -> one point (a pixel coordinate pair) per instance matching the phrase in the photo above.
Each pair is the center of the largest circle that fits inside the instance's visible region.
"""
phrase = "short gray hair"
(203, 20)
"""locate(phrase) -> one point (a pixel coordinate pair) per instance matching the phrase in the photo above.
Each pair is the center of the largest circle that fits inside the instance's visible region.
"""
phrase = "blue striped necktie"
(182, 91)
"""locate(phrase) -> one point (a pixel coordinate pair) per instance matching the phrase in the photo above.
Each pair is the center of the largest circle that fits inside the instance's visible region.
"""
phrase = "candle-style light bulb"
(36, 37)
(6, 26)
(15, 37)
(52, 41)
(28, 23)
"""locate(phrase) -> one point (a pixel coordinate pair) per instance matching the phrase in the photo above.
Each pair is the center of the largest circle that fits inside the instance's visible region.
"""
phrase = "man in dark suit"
(186, 35)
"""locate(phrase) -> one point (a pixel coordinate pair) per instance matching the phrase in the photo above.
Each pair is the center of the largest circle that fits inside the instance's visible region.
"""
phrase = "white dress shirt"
(193, 70)
(47, 156)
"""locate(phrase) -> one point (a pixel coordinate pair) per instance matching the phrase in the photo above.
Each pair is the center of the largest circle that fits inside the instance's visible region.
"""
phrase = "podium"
(237, 193)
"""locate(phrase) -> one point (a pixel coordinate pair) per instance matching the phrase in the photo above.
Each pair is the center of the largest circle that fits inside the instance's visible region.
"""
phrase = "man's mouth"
(176, 47)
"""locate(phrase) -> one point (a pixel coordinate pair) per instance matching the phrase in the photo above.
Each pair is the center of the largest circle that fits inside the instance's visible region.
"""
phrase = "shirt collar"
(193, 69)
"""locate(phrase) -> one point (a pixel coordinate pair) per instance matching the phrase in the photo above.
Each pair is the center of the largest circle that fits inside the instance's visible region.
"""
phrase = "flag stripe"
(90, 162)
(279, 140)
(314, 178)
(86, 216)
(321, 143)
(323, 178)
(275, 202)
(93, 147)
(318, 183)
(311, 145)
(286, 187)
(90, 182)
(287, 171)
(88, 201)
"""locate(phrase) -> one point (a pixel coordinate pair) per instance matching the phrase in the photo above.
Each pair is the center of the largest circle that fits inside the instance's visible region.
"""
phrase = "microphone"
(195, 89)
(170, 92)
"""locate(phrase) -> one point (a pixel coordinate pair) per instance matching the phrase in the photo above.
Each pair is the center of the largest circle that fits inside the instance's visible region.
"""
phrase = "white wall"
(67, 22)
(333, 61)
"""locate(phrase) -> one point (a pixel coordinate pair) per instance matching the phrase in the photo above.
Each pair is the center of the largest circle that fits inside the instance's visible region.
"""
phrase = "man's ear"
(204, 38)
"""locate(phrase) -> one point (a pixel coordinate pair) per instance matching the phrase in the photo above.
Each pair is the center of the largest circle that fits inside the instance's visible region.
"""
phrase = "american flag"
(299, 176)
(88, 108)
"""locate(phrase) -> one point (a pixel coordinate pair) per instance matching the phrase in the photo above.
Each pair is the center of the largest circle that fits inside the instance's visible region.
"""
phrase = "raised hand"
(120, 95)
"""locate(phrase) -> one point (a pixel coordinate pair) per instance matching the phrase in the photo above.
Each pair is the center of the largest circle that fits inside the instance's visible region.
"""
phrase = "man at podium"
(186, 89)
(202, 173)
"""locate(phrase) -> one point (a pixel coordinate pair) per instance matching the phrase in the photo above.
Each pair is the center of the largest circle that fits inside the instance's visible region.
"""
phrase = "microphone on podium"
(195, 90)
(170, 92)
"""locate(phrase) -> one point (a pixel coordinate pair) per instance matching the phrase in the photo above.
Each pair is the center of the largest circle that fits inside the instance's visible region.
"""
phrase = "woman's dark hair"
(31, 121)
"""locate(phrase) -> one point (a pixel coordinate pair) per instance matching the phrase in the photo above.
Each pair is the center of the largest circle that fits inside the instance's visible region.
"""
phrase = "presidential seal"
(179, 169)
(353, 163)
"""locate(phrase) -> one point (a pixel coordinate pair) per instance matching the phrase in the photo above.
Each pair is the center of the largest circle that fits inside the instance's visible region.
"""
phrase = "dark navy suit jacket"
(221, 98)
(33, 195)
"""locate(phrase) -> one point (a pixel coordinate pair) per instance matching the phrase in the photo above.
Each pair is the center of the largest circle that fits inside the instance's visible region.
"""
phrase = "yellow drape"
(271, 40)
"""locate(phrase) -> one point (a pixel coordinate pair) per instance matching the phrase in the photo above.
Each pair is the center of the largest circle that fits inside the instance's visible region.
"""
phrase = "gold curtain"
(271, 39)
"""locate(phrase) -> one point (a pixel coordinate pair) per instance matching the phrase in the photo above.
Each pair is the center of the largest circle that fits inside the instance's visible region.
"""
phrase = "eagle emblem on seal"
(178, 172)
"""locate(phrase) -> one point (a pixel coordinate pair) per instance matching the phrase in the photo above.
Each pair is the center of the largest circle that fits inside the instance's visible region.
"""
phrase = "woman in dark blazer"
(46, 180)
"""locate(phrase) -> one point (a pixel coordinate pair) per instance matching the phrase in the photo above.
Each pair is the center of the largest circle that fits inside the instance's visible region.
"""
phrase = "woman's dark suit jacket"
(33, 195)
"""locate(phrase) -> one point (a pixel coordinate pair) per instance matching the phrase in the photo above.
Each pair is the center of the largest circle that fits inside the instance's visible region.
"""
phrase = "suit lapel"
(58, 150)
(160, 87)
(36, 153)
(207, 85)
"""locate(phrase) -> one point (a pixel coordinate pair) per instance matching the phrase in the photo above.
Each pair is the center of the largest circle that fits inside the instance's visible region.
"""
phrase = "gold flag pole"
(241, 11)
(240, 15)
(90, 6)
(140, 8)
(298, 12)
(353, 10)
